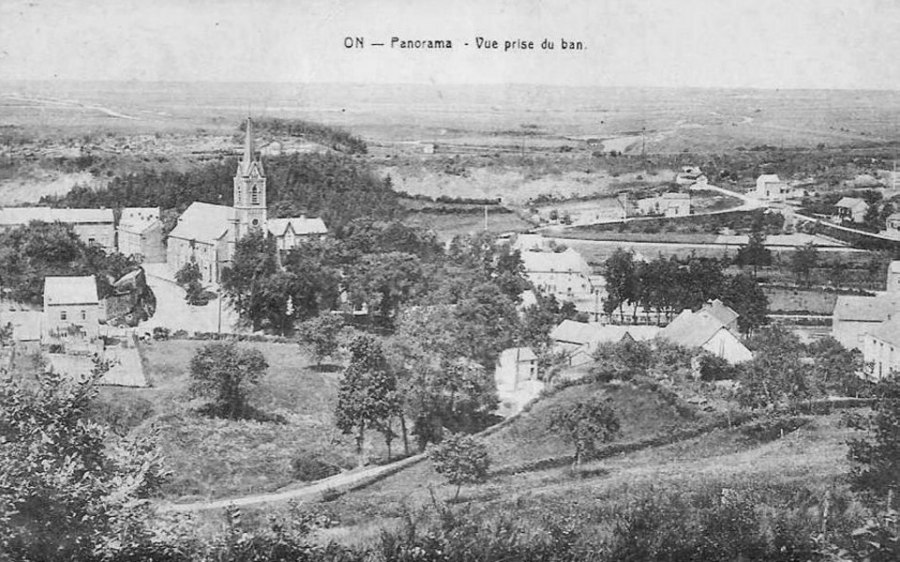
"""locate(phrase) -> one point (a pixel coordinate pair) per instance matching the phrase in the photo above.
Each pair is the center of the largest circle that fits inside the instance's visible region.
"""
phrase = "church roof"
(300, 226)
(203, 222)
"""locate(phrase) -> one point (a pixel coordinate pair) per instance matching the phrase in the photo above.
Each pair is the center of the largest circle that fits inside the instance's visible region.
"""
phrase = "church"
(207, 234)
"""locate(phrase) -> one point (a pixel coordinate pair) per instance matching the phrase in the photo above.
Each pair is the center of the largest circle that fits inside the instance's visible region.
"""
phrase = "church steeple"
(249, 189)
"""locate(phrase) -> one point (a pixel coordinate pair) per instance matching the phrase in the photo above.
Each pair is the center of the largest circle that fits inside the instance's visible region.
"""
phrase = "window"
(84, 315)
(62, 314)
(254, 196)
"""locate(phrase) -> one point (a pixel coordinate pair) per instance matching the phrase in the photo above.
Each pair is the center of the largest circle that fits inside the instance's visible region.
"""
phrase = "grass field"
(449, 225)
(212, 458)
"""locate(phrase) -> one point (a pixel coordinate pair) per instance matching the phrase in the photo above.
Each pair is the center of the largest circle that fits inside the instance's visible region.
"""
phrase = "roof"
(518, 354)
(724, 313)
(692, 329)
(589, 333)
(676, 195)
(245, 166)
(15, 216)
(851, 202)
(893, 216)
(864, 309)
(203, 222)
(566, 261)
(139, 219)
(70, 290)
(768, 178)
(300, 225)
(26, 324)
(889, 331)
(895, 265)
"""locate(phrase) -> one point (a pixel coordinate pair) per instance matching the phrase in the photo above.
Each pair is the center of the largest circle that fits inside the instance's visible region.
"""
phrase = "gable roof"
(721, 311)
(768, 178)
(300, 225)
(851, 203)
(518, 354)
(203, 222)
(692, 329)
(864, 309)
(589, 333)
(70, 290)
(15, 216)
(889, 331)
(562, 262)
(138, 219)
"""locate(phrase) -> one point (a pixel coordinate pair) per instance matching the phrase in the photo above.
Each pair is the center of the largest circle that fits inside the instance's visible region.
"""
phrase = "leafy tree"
(776, 375)
(837, 367)
(621, 281)
(461, 459)
(253, 262)
(367, 396)
(384, 281)
(69, 489)
(227, 374)
(622, 360)
(754, 253)
(585, 423)
(876, 461)
(189, 279)
(320, 334)
(804, 259)
(746, 297)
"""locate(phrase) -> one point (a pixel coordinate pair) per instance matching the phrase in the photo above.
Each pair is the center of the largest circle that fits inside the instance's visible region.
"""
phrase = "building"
(704, 329)
(852, 209)
(566, 275)
(289, 233)
(579, 340)
(892, 223)
(892, 283)
(206, 234)
(723, 313)
(769, 186)
(71, 309)
(93, 226)
(688, 175)
(674, 204)
(139, 234)
(881, 349)
(515, 366)
(855, 316)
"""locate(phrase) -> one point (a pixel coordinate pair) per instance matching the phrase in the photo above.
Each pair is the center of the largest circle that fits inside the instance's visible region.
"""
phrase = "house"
(530, 243)
(723, 313)
(515, 366)
(579, 340)
(769, 186)
(892, 283)
(673, 204)
(855, 316)
(71, 309)
(881, 349)
(289, 233)
(892, 223)
(852, 209)
(705, 330)
(688, 175)
(566, 275)
(26, 328)
(139, 234)
(93, 226)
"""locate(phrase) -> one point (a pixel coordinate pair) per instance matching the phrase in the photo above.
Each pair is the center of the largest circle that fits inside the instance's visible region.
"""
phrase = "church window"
(254, 196)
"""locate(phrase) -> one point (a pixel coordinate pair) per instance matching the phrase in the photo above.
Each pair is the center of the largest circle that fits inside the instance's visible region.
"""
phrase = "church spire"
(248, 145)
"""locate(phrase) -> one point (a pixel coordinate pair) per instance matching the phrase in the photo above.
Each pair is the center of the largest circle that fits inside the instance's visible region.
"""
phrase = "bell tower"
(249, 190)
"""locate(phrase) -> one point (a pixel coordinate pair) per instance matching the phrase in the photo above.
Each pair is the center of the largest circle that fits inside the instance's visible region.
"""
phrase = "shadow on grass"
(249, 414)
(325, 368)
(583, 473)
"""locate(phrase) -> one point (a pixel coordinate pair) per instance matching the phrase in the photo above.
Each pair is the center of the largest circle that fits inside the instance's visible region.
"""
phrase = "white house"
(71, 309)
(769, 186)
(139, 234)
(93, 226)
(566, 275)
(881, 349)
(579, 340)
(515, 366)
(851, 209)
(892, 223)
(703, 329)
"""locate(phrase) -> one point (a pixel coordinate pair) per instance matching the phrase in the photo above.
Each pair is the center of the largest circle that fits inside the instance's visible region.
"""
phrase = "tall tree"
(461, 459)
(585, 423)
(621, 281)
(227, 374)
(383, 282)
(754, 253)
(747, 298)
(253, 262)
(804, 259)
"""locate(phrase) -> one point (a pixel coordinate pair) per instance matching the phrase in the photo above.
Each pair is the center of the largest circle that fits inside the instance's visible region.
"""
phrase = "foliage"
(584, 423)
(777, 374)
(382, 282)
(32, 252)
(68, 489)
(803, 260)
(755, 253)
(744, 295)
(837, 368)
(333, 137)
(189, 278)
(320, 335)
(621, 282)
(877, 459)
(227, 373)
(308, 467)
(622, 360)
(461, 459)
(367, 396)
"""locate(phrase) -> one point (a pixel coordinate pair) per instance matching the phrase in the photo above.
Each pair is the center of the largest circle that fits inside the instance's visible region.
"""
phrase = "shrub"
(307, 467)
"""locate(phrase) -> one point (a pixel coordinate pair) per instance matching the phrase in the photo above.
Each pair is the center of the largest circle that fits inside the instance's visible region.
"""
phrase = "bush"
(307, 467)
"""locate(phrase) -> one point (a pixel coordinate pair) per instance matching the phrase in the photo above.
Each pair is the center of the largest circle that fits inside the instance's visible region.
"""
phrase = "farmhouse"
(71, 309)
(139, 234)
(881, 349)
(769, 186)
(566, 275)
(705, 329)
(93, 226)
(850, 209)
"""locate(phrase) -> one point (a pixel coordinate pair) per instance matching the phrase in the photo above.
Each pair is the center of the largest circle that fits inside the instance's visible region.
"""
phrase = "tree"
(367, 395)
(837, 367)
(876, 461)
(621, 281)
(383, 281)
(754, 253)
(254, 261)
(227, 374)
(69, 489)
(746, 297)
(777, 375)
(461, 459)
(320, 334)
(804, 259)
(622, 360)
(588, 421)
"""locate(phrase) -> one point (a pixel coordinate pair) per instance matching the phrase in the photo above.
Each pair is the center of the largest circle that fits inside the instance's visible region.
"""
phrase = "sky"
(645, 43)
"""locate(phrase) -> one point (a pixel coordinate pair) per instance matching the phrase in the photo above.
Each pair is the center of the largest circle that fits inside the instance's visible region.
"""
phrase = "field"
(213, 458)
